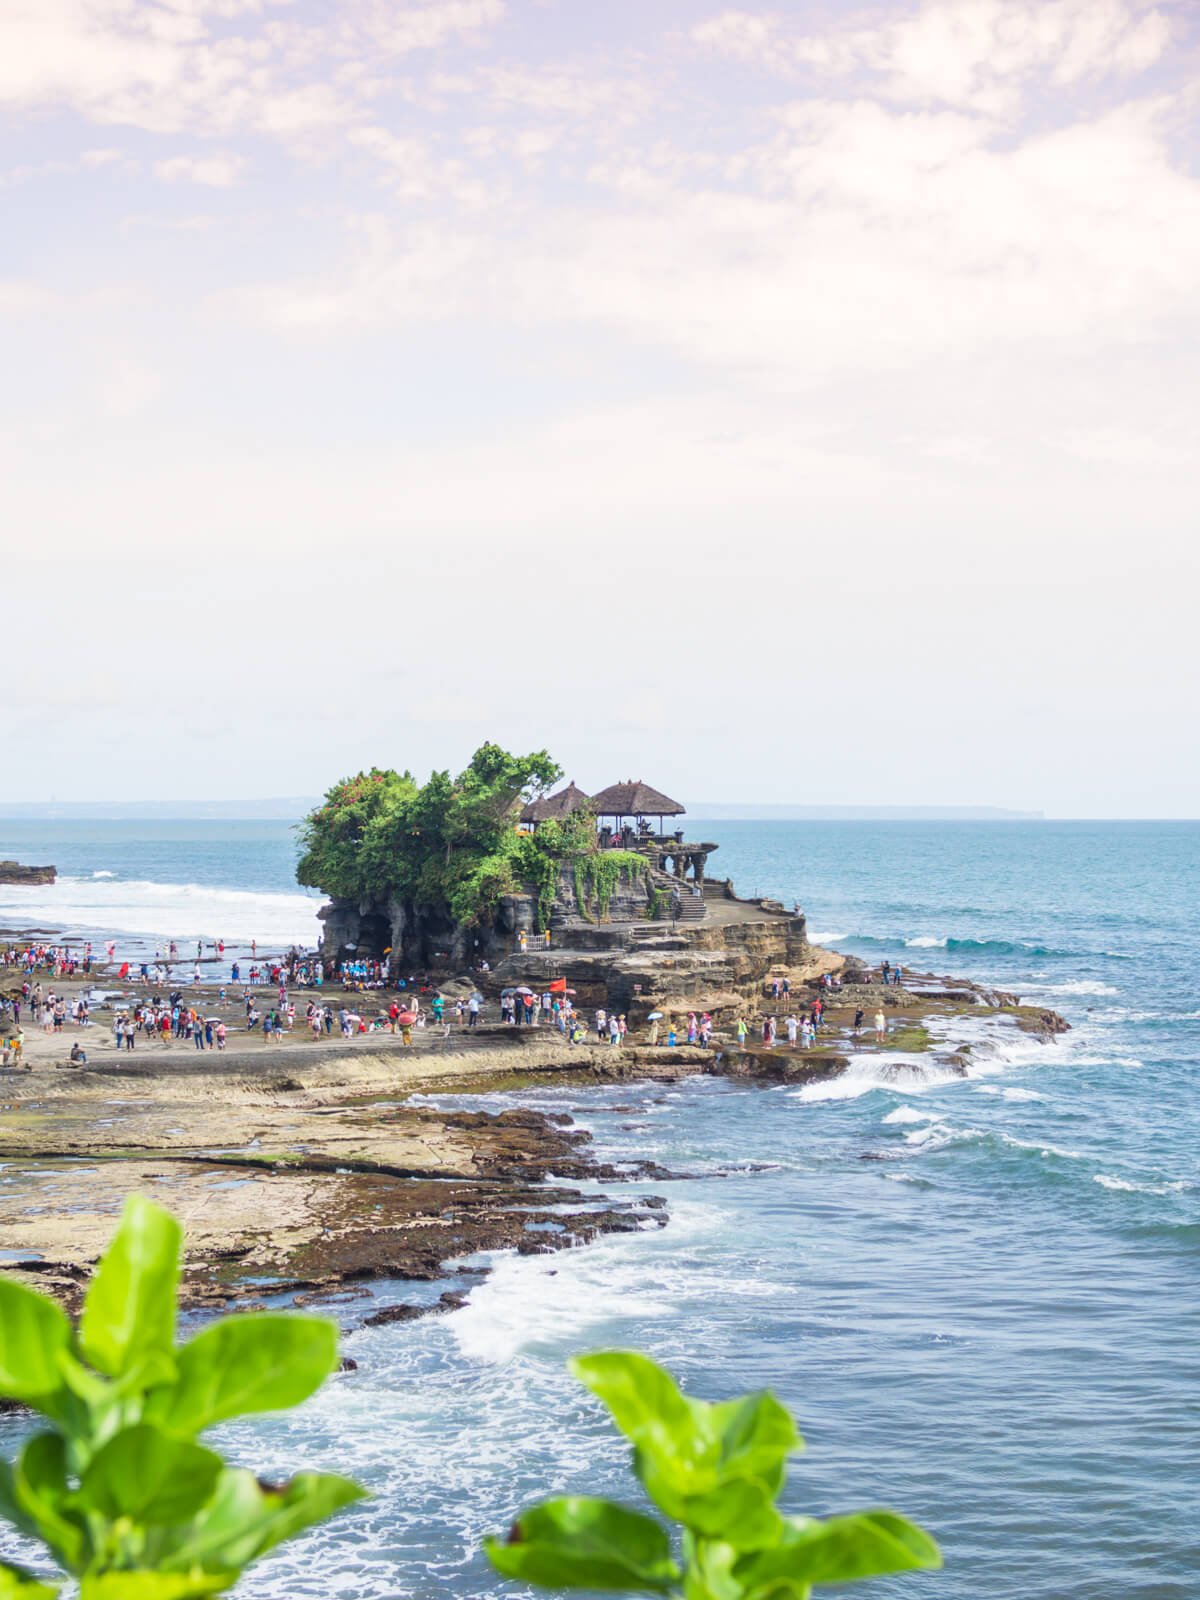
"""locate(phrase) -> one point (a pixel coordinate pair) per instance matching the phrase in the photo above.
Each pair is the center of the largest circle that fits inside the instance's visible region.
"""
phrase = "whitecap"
(1075, 986)
(925, 942)
(908, 1114)
(1174, 1186)
(898, 1075)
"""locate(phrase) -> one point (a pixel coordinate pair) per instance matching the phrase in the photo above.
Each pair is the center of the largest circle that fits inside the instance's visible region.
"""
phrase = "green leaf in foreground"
(864, 1545)
(33, 1335)
(245, 1364)
(587, 1544)
(717, 1471)
(117, 1489)
(141, 1585)
(17, 1584)
(243, 1521)
(130, 1305)
(146, 1475)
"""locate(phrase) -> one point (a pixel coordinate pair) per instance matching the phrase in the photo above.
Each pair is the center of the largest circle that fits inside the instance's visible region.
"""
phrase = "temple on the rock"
(624, 814)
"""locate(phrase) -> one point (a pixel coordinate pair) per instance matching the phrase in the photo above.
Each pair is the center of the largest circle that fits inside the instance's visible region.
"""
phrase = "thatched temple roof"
(635, 800)
(553, 807)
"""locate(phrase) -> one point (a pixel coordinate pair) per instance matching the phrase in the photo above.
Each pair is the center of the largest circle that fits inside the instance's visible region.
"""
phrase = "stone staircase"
(691, 907)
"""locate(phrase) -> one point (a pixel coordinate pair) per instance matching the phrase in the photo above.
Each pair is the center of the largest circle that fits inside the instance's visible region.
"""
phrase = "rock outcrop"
(14, 872)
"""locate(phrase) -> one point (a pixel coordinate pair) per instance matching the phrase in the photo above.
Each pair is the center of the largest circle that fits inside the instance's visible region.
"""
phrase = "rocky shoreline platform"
(312, 1171)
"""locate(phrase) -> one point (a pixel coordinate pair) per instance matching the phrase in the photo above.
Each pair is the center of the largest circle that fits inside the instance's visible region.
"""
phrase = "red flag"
(558, 986)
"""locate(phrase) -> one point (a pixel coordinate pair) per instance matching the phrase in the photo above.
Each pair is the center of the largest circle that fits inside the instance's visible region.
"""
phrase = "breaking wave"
(104, 904)
(992, 947)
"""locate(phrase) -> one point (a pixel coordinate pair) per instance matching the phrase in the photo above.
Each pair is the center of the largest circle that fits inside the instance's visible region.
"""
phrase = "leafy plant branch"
(716, 1471)
(117, 1488)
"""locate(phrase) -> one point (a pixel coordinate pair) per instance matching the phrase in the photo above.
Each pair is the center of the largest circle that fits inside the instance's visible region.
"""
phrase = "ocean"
(979, 1296)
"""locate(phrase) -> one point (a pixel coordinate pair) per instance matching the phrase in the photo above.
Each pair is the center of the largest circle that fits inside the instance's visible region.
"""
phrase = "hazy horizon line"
(293, 808)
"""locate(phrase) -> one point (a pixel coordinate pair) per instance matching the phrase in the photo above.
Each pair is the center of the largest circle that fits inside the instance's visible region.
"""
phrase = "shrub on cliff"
(451, 842)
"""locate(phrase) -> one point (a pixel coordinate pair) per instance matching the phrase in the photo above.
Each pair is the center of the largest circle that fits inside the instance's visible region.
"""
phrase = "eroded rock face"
(14, 872)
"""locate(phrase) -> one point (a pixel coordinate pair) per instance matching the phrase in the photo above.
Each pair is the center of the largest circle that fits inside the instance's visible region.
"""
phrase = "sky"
(787, 405)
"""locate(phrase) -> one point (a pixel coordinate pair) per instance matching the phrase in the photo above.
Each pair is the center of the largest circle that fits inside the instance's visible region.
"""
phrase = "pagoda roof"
(551, 807)
(635, 800)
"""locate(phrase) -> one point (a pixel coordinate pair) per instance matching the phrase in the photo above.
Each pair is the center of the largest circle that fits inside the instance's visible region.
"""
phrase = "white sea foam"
(1175, 1186)
(1075, 986)
(925, 942)
(178, 910)
(820, 938)
(908, 1114)
(898, 1075)
(532, 1301)
(1007, 1093)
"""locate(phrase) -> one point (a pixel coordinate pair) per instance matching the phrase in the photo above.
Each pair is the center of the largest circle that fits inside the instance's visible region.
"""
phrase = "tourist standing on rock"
(742, 1031)
(887, 972)
(792, 1026)
(652, 1032)
(473, 1011)
(601, 1023)
(880, 1027)
(614, 1029)
(858, 1022)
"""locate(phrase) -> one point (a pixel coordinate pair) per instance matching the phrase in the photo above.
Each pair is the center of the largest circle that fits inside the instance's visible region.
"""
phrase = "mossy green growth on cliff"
(596, 875)
(453, 843)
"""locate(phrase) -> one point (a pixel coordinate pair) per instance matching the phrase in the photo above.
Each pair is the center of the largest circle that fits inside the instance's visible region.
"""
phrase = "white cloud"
(216, 171)
(861, 238)
(161, 66)
(976, 54)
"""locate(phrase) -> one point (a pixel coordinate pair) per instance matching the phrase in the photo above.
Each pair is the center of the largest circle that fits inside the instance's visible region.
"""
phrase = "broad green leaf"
(242, 1522)
(17, 1584)
(582, 1543)
(144, 1474)
(649, 1409)
(33, 1333)
(742, 1512)
(864, 1545)
(39, 1486)
(155, 1585)
(245, 1364)
(130, 1305)
(756, 1436)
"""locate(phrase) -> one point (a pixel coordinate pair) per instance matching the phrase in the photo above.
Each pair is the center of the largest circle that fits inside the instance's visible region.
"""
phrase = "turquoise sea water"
(980, 1296)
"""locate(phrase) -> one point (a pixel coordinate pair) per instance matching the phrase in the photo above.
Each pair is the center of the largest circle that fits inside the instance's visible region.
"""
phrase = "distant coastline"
(292, 807)
(733, 811)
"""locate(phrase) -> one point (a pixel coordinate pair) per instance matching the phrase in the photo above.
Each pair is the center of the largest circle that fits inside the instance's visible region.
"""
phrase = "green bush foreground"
(124, 1498)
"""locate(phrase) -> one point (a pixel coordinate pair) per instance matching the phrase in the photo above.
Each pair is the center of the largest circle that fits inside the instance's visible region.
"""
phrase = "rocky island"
(305, 1167)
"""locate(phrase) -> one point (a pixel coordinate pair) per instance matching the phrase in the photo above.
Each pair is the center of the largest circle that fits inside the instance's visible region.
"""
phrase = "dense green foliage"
(117, 1488)
(453, 843)
(717, 1471)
